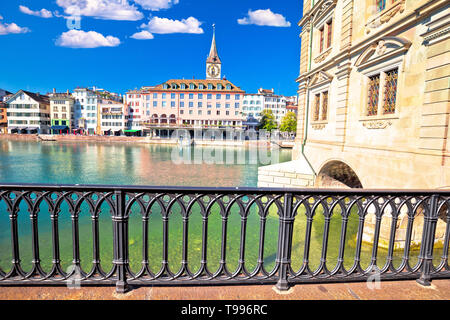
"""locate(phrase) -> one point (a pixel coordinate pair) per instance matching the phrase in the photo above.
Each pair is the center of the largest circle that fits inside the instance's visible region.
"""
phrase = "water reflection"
(123, 163)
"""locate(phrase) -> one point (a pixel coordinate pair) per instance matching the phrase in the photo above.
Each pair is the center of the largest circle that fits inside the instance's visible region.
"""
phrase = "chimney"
(54, 90)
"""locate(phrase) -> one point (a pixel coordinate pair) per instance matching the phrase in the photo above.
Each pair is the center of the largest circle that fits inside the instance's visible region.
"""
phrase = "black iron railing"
(281, 231)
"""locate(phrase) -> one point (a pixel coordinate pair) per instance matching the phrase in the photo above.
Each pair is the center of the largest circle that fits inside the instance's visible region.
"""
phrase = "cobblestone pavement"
(388, 290)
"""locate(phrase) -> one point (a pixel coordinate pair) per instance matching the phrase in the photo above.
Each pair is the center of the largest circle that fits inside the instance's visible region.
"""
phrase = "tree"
(289, 122)
(267, 122)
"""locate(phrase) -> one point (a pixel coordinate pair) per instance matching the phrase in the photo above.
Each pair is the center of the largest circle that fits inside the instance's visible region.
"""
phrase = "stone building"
(373, 96)
(373, 102)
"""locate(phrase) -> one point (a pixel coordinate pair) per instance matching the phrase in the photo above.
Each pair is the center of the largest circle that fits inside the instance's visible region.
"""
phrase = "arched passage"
(337, 174)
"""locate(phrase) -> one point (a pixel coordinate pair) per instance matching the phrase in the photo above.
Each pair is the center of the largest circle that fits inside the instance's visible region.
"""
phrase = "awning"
(131, 130)
(59, 127)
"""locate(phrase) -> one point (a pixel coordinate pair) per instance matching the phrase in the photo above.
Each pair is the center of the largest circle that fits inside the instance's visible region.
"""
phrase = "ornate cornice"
(385, 15)
(322, 56)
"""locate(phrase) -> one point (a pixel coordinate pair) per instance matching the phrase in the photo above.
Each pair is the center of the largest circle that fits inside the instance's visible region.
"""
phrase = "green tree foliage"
(268, 121)
(289, 122)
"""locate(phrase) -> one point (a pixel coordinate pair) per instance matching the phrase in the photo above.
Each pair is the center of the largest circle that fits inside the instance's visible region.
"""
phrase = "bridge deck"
(389, 290)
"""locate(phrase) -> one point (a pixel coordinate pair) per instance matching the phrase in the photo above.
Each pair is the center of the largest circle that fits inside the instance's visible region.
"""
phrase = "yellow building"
(373, 93)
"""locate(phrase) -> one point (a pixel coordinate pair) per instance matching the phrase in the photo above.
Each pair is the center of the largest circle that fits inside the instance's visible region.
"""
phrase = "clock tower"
(213, 63)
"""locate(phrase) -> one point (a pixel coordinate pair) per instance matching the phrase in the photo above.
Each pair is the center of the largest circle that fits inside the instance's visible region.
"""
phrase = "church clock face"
(213, 70)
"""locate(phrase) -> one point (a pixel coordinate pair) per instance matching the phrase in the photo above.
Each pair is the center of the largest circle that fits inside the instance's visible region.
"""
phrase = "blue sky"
(257, 41)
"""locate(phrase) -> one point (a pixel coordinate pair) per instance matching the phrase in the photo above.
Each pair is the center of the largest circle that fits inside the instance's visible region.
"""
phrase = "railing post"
(285, 242)
(429, 231)
(120, 242)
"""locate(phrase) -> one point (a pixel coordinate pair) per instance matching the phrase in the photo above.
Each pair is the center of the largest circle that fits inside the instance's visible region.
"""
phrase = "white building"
(135, 110)
(87, 114)
(28, 112)
(112, 118)
(254, 104)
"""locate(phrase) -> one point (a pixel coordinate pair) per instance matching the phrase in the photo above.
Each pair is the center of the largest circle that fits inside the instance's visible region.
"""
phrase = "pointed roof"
(213, 55)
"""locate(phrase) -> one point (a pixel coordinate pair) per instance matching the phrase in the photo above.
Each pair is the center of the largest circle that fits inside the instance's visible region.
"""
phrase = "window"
(209, 112)
(164, 103)
(329, 32)
(227, 105)
(381, 4)
(200, 95)
(201, 86)
(218, 112)
(321, 39)
(174, 86)
(219, 86)
(191, 86)
(183, 86)
(165, 86)
(236, 105)
(155, 96)
(182, 104)
(155, 104)
(199, 112)
(227, 113)
(228, 87)
(209, 96)
(236, 97)
(200, 104)
(390, 91)
(210, 86)
(373, 95)
(218, 96)
(324, 105)
(172, 95)
(217, 105)
(227, 96)
(181, 111)
(191, 96)
(191, 104)
(181, 95)
(172, 104)
(316, 107)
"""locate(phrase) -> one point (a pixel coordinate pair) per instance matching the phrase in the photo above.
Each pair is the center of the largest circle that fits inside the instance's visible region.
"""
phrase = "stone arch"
(336, 173)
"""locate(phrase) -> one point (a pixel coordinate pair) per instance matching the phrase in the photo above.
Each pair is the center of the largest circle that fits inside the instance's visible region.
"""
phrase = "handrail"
(263, 256)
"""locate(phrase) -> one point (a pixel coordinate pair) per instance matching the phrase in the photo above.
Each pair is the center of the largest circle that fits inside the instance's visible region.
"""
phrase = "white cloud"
(83, 39)
(101, 9)
(1, 18)
(156, 5)
(7, 28)
(143, 35)
(165, 26)
(265, 18)
(43, 13)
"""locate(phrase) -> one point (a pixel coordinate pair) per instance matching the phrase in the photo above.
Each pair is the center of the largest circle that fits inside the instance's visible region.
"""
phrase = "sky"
(119, 45)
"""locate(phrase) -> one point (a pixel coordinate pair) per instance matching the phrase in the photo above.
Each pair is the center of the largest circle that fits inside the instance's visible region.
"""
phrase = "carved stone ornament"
(318, 126)
(386, 15)
(322, 57)
(381, 48)
(377, 124)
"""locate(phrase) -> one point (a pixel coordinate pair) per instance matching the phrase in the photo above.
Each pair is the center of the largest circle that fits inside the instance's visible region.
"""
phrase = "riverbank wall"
(124, 139)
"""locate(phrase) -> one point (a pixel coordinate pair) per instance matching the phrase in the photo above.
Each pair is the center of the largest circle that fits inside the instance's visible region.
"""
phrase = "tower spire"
(213, 55)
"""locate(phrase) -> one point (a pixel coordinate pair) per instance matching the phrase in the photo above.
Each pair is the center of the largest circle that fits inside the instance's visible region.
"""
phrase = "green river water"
(143, 164)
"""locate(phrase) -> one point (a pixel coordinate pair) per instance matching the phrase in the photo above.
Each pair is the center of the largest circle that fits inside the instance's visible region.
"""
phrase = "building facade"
(87, 114)
(112, 118)
(28, 112)
(202, 103)
(61, 112)
(265, 99)
(373, 91)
